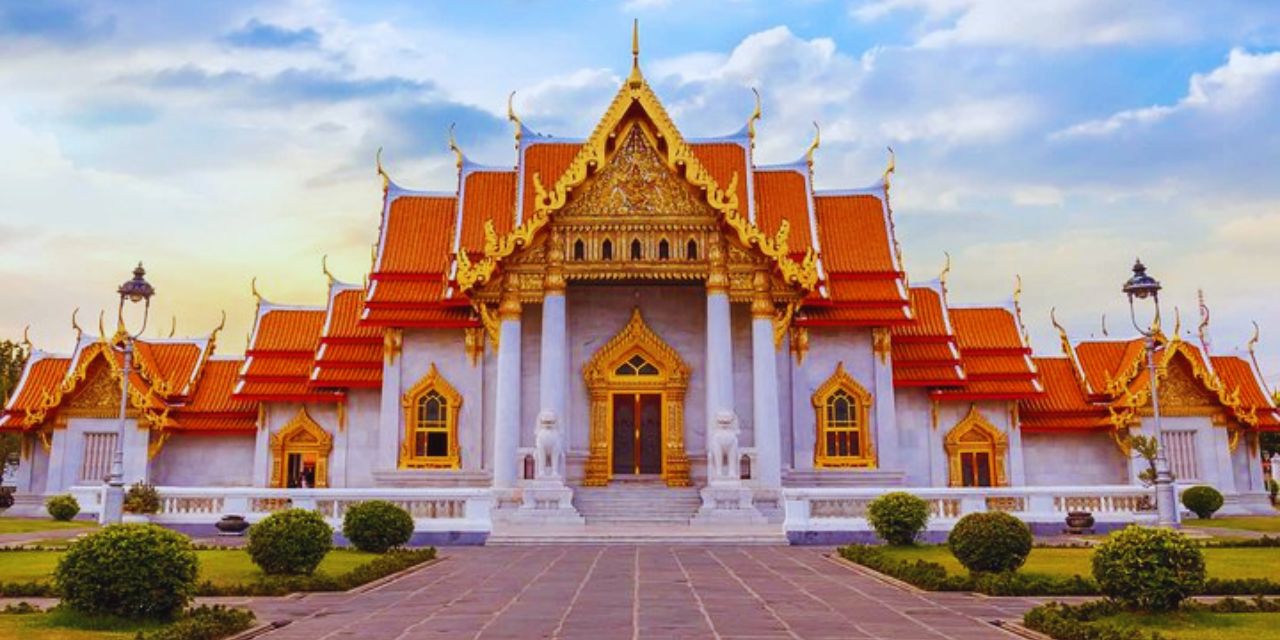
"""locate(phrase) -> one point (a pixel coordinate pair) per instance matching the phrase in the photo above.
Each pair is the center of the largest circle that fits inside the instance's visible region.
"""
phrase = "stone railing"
(845, 509)
(433, 509)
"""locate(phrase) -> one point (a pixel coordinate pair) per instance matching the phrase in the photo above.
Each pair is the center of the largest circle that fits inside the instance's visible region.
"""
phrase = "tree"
(13, 357)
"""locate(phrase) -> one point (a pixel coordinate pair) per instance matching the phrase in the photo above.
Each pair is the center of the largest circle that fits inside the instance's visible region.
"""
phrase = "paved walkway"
(639, 592)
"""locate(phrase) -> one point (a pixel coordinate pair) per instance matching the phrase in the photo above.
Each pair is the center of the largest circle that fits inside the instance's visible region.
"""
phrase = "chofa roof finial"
(253, 289)
(386, 179)
(324, 268)
(173, 326)
(889, 168)
(813, 146)
(1104, 326)
(213, 336)
(751, 121)
(515, 120)
(1253, 357)
(946, 271)
(453, 146)
(1203, 329)
(26, 339)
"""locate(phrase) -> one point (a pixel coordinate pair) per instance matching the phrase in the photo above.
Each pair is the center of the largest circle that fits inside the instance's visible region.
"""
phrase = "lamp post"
(1142, 286)
(133, 291)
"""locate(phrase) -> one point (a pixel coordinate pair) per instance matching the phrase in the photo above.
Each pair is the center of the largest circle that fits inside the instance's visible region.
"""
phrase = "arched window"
(606, 250)
(636, 365)
(635, 250)
(664, 250)
(300, 454)
(579, 250)
(841, 407)
(431, 424)
(691, 250)
(975, 453)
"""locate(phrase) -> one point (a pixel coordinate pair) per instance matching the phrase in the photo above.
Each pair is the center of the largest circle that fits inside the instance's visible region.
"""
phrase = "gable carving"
(636, 183)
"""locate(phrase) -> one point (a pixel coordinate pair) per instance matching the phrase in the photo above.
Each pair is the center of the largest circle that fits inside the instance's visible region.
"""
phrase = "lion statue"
(549, 449)
(722, 448)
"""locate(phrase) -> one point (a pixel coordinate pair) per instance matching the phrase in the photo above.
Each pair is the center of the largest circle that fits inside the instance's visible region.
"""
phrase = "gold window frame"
(842, 381)
(431, 382)
(975, 434)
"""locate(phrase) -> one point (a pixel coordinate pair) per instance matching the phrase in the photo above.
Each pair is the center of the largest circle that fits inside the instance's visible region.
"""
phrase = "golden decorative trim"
(800, 343)
(392, 345)
(491, 323)
(603, 382)
(975, 434)
(1132, 403)
(156, 443)
(881, 343)
(473, 342)
(46, 441)
(433, 381)
(302, 435)
(342, 415)
(842, 381)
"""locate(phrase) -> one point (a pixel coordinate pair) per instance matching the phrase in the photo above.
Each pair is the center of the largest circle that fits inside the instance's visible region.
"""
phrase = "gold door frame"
(302, 435)
(603, 382)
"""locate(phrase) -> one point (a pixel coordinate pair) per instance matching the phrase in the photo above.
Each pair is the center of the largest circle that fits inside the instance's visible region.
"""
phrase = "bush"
(898, 517)
(290, 542)
(994, 542)
(6, 497)
(932, 576)
(129, 570)
(1202, 501)
(1273, 489)
(1083, 622)
(204, 623)
(377, 525)
(63, 507)
(1148, 569)
(142, 498)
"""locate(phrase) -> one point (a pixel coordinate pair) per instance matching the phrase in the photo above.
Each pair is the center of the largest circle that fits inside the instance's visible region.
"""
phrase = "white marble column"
(23, 476)
(262, 455)
(764, 388)
(553, 368)
(506, 418)
(719, 356)
(884, 406)
(389, 411)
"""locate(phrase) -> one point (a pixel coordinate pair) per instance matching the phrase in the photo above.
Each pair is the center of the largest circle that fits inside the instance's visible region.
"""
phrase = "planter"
(232, 525)
(1079, 522)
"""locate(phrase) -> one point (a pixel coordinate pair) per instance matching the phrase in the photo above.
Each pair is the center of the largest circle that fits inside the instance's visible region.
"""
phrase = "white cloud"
(1039, 195)
(1042, 24)
(1235, 84)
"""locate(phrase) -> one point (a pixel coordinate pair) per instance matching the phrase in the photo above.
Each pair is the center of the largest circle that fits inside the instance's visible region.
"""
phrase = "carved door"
(637, 433)
(624, 434)
(649, 457)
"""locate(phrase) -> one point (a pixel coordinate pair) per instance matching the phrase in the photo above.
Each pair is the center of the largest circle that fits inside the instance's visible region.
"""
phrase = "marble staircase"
(643, 500)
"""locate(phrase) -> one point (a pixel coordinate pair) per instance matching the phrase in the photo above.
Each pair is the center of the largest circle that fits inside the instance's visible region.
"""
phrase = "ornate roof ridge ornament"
(1253, 357)
(173, 326)
(324, 268)
(26, 339)
(459, 158)
(1104, 326)
(753, 118)
(890, 167)
(942, 277)
(76, 325)
(1017, 308)
(813, 146)
(386, 179)
(1202, 330)
(1177, 323)
(635, 79)
(515, 120)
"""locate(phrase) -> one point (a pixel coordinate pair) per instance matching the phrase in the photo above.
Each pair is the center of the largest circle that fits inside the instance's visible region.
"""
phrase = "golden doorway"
(637, 385)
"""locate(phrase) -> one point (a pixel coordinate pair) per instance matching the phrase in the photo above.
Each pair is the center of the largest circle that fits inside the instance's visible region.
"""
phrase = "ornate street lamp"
(1142, 286)
(133, 291)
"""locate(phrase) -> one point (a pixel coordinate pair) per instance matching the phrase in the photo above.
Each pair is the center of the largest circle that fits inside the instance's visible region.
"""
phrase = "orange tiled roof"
(442, 317)
(784, 195)
(854, 234)
(722, 160)
(1238, 374)
(1102, 360)
(1063, 403)
(924, 351)
(487, 195)
(995, 359)
(417, 237)
(43, 373)
(347, 345)
(548, 161)
(213, 407)
(279, 361)
(175, 363)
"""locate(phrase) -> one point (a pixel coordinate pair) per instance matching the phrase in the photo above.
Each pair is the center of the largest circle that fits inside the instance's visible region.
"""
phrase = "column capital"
(761, 302)
(509, 304)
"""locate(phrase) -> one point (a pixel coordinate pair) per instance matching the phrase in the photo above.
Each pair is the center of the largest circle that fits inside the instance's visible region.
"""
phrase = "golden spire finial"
(76, 325)
(889, 168)
(813, 146)
(453, 146)
(386, 179)
(635, 43)
(751, 121)
(1177, 322)
(102, 327)
(324, 267)
(511, 115)
(946, 271)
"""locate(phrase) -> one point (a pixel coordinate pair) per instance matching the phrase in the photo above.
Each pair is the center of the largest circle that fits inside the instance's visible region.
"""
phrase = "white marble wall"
(445, 348)
(917, 438)
(205, 460)
(1058, 459)
(827, 348)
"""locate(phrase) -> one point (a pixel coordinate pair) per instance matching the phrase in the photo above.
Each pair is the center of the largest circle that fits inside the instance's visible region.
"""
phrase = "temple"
(638, 327)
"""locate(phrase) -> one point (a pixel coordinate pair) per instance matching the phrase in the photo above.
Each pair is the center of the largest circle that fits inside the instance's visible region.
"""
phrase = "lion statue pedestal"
(725, 498)
(546, 498)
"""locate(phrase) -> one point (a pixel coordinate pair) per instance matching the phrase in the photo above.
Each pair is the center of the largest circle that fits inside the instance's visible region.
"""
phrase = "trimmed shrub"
(1273, 489)
(290, 542)
(6, 497)
(1202, 501)
(63, 507)
(204, 623)
(1148, 569)
(377, 526)
(142, 498)
(129, 570)
(898, 517)
(1084, 622)
(990, 542)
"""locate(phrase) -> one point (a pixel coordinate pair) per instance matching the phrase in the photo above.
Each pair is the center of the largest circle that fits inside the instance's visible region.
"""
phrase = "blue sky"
(1051, 139)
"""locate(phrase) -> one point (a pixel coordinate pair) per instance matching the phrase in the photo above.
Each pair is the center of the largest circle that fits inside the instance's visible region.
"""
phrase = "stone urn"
(1079, 521)
(232, 525)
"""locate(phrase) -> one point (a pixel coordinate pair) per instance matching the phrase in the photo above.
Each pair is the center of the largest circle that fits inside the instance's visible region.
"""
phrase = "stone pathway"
(639, 592)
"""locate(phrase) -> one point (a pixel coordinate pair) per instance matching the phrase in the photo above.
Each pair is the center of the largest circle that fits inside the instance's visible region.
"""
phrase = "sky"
(1056, 140)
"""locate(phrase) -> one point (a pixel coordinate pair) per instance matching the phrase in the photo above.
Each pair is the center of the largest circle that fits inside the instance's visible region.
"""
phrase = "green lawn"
(27, 525)
(1262, 524)
(222, 567)
(65, 625)
(1254, 562)
(1202, 625)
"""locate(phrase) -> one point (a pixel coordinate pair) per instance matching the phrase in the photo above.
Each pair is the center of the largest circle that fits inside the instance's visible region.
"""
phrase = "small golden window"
(431, 424)
(842, 408)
